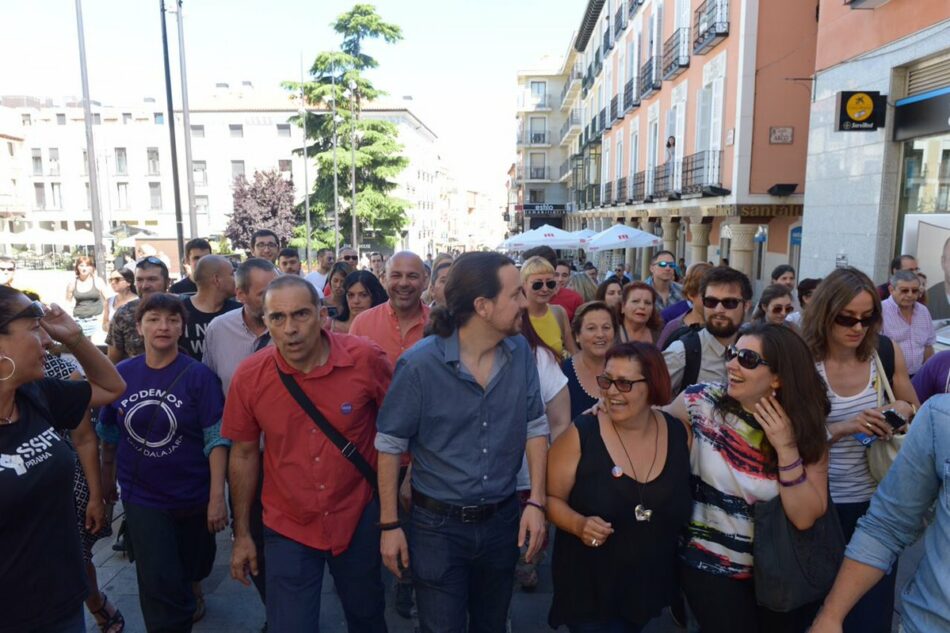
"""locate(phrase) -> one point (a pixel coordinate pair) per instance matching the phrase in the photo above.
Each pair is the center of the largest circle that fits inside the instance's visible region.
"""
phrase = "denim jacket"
(919, 477)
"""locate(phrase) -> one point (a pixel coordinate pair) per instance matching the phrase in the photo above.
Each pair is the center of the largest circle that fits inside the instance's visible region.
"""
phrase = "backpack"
(694, 359)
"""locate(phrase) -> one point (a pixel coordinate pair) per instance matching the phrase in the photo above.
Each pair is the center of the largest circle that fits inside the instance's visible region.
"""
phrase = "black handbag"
(794, 567)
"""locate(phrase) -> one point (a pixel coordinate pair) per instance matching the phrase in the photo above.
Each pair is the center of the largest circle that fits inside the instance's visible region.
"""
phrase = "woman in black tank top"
(618, 492)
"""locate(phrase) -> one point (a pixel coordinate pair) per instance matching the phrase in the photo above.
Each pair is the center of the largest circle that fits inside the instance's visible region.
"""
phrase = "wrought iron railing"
(710, 25)
(676, 53)
(649, 78)
(701, 170)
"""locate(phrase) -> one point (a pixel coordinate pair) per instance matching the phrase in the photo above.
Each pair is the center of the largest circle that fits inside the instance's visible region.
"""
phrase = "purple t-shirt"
(934, 377)
(161, 460)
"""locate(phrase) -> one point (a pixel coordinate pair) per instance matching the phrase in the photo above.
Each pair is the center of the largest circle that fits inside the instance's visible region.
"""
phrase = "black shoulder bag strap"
(346, 447)
(693, 348)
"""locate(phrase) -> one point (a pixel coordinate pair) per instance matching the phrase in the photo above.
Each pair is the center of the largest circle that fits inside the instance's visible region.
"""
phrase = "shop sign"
(535, 209)
(861, 111)
(922, 115)
(781, 135)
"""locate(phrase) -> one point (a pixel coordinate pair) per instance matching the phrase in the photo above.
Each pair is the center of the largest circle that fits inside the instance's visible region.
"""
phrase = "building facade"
(874, 193)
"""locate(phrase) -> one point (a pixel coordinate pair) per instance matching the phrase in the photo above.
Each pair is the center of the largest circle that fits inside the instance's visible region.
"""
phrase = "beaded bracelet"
(794, 482)
(795, 464)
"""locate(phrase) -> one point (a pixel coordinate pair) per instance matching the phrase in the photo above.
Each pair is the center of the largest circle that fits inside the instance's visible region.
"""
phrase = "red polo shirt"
(569, 300)
(381, 325)
(312, 493)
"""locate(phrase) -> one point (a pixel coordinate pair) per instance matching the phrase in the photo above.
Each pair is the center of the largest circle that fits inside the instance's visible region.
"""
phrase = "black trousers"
(171, 550)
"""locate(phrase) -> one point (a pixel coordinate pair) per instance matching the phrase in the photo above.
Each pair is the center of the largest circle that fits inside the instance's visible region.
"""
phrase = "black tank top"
(631, 576)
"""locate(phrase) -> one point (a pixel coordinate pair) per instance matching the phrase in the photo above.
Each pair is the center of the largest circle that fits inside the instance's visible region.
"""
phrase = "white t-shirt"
(318, 279)
(552, 380)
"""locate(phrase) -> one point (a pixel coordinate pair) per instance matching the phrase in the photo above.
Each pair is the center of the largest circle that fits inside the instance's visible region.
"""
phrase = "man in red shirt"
(318, 506)
(397, 324)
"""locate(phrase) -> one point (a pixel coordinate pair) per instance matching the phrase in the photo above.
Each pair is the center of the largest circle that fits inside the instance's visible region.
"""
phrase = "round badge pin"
(346, 408)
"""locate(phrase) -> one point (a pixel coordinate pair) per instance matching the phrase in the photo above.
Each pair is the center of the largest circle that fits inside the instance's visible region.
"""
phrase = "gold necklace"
(641, 512)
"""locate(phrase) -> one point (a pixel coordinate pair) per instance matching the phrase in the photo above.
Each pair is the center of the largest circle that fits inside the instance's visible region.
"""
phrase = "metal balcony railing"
(620, 190)
(676, 53)
(650, 80)
(710, 25)
(598, 63)
(608, 198)
(701, 170)
(633, 6)
(631, 99)
(593, 193)
(649, 187)
(574, 74)
(535, 102)
(573, 121)
(539, 173)
(608, 42)
(620, 22)
(638, 187)
(663, 180)
(564, 170)
(535, 137)
(602, 119)
(616, 112)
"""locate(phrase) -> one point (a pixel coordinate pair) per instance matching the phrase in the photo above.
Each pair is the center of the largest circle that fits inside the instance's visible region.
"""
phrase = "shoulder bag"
(881, 454)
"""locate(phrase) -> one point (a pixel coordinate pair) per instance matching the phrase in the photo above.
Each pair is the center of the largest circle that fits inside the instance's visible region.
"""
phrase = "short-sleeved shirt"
(551, 380)
(40, 555)
(911, 337)
(712, 364)
(228, 341)
(161, 419)
(312, 493)
(122, 332)
(934, 377)
(318, 279)
(183, 287)
(676, 295)
(466, 441)
(381, 325)
(569, 300)
(192, 340)
(728, 478)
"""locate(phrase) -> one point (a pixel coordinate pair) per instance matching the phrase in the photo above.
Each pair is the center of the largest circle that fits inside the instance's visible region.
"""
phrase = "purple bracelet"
(794, 482)
(795, 464)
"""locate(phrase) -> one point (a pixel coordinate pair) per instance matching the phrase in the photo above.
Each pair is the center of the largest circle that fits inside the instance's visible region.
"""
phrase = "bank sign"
(861, 111)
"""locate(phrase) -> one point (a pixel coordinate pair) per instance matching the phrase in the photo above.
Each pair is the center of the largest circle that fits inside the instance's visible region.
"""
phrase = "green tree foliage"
(336, 78)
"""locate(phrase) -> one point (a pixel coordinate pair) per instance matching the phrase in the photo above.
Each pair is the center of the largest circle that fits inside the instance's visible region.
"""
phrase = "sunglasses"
(729, 303)
(7, 269)
(747, 358)
(623, 385)
(150, 260)
(35, 310)
(349, 258)
(551, 284)
(783, 309)
(850, 321)
(664, 264)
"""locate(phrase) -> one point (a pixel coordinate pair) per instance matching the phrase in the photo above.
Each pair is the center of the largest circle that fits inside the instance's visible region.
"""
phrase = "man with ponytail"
(465, 402)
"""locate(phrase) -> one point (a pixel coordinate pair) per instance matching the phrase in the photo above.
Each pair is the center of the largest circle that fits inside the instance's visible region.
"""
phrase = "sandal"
(108, 622)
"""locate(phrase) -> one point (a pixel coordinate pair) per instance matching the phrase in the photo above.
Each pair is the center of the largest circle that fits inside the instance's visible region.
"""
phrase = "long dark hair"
(473, 275)
(770, 294)
(372, 285)
(8, 304)
(336, 269)
(802, 391)
(833, 295)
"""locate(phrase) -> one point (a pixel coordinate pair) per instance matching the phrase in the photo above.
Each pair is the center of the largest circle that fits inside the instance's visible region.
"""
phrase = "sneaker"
(404, 600)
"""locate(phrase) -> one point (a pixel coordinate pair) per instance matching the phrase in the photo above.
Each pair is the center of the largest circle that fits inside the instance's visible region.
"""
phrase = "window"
(159, 118)
(200, 172)
(237, 169)
(155, 195)
(56, 195)
(536, 195)
(201, 204)
(88, 197)
(25, 119)
(283, 129)
(153, 162)
(54, 161)
(197, 131)
(121, 162)
(39, 195)
(122, 195)
(284, 166)
(236, 130)
(634, 149)
(60, 119)
(126, 118)
(96, 118)
(37, 161)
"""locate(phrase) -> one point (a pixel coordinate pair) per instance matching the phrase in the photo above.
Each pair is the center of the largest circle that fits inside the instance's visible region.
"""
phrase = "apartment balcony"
(593, 195)
(608, 196)
(649, 185)
(598, 63)
(602, 119)
(633, 6)
(663, 180)
(608, 42)
(575, 77)
(676, 53)
(710, 25)
(533, 174)
(571, 127)
(638, 187)
(534, 138)
(650, 81)
(631, 98)
(532, 102)
(620, 23)
(702, 174)
(616, 112)
(564, 171)
(620, 191)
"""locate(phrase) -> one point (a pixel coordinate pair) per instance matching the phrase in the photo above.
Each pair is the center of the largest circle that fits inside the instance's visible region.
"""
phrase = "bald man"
(397, 324)
(214, 277)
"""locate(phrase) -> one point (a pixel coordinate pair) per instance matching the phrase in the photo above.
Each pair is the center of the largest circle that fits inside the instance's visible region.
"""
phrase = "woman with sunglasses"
(548, 321)
(640, 315)
(618, 493)
(41, 558)
(336, 297)
(362, 291)
(774, 305)
(759, 436)
(86, 290)
(842, 326)
(123, 285)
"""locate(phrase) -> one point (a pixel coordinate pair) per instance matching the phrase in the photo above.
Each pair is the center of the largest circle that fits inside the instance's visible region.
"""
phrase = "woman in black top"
(618, 493)
(40, 553)
(595, 329)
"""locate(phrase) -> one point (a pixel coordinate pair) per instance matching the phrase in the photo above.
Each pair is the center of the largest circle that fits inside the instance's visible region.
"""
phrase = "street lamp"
(353, 114)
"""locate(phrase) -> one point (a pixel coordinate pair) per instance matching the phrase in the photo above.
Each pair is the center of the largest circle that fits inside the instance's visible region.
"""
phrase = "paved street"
(233, 608)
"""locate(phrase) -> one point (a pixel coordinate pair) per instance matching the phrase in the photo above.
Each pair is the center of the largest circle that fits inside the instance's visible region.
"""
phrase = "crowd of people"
(433, 416)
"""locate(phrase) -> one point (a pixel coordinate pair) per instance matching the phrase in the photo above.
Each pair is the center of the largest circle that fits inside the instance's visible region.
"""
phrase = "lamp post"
(179, 229)
(353, 115)
(186, 123)
(336, 191)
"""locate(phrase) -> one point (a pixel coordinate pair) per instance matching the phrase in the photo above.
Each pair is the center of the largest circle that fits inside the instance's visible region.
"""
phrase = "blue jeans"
(75, 622)
(463, 572)
(875, 610)
(610, 626)
(295, 580)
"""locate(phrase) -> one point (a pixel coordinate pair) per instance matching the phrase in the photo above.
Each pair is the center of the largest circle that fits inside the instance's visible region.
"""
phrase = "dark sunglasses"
(35, 310)
(665, 264)
(551, 284)
(151, 260)
(623, 385)
(349, 258)
(8, 269)
(747, 358)
(850, 321)
(783, 309)
(729, 303)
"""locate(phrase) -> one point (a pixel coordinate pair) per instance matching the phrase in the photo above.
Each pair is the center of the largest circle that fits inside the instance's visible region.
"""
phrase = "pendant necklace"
(641, 512)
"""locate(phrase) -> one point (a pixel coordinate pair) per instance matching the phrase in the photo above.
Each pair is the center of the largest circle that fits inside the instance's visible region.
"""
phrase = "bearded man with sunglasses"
(699, 357)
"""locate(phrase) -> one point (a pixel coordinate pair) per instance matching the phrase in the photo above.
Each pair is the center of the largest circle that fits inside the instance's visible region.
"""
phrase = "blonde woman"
(548, 321)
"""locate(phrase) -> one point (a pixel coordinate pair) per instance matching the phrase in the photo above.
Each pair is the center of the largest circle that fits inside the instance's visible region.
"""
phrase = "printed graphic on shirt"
(150, 422)
(33, 451)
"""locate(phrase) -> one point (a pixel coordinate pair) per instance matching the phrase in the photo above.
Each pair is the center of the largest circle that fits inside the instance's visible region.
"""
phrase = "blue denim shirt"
(919, 476)
(466, 442)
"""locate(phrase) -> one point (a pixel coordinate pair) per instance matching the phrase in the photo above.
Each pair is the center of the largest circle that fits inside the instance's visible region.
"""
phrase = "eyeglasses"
(783, 309)
(551, 284)
(729, 303)
(747, 358)
(849, 321)
(35, 310)
(265, 245)
(623, 385)
(7, 269)
(150, 260)
(665, 264)
(349, 258)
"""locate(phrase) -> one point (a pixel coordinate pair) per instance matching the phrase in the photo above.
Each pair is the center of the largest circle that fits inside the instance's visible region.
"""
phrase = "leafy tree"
(338, 75)
(265, 203)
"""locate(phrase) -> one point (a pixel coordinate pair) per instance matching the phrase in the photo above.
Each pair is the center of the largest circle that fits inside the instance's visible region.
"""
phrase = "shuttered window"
(929, 75)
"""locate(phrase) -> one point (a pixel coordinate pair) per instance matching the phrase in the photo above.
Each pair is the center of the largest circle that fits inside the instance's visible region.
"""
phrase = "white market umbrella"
(545, 235)
(583, 237)
(621, 236)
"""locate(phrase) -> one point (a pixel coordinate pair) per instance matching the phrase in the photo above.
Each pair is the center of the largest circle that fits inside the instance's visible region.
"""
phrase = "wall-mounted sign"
(922, 115)
(533, 209)
(781, 135)
(861, 111)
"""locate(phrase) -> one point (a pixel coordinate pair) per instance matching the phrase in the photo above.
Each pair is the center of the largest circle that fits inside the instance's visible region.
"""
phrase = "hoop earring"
(4, 357)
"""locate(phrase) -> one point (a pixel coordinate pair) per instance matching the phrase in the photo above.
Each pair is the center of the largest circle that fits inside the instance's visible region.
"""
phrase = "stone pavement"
(234, 608)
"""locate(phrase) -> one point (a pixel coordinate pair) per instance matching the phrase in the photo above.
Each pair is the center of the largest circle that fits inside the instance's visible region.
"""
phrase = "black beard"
(723, 331)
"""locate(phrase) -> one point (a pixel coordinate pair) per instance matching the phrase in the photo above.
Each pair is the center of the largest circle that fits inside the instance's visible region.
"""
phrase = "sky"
(458, 59)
